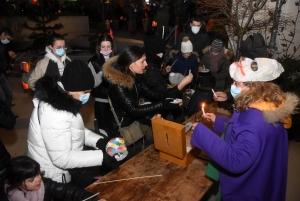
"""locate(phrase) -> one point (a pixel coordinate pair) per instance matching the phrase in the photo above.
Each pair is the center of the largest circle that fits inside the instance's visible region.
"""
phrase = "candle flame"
(202, 104)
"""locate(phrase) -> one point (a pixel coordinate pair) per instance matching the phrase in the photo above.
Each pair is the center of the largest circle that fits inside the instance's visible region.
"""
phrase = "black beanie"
(254, 47)
(154, 44)
(77, 76)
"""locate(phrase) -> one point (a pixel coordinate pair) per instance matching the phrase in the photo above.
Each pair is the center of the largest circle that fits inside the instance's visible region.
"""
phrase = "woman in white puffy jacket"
(56, 134)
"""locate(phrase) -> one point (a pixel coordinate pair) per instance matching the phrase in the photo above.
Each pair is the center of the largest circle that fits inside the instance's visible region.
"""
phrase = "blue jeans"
(6, 94)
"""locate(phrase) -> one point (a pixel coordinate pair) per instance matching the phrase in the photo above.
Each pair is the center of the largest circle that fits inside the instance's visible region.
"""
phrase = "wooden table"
(176, 182)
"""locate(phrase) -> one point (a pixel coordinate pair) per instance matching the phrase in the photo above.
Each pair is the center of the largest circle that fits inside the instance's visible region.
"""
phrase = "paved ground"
(15, 140)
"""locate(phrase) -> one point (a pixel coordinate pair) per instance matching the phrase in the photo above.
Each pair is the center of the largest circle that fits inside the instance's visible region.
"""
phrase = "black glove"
(167, 105)
(101, 143)
(110, 161)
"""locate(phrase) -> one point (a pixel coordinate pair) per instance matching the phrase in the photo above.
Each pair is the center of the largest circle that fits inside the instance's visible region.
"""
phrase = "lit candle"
(214, 93)
(203, 109)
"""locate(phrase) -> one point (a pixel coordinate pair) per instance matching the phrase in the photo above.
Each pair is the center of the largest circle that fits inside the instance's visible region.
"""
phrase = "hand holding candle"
(203, 109)
(214, 93)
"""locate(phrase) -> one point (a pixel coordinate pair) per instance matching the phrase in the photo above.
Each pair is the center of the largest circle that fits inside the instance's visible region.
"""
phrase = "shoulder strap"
(114, 113)
(37, 112)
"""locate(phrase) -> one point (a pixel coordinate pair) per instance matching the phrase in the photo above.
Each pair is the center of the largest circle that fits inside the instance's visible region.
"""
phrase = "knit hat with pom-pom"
(186, 45)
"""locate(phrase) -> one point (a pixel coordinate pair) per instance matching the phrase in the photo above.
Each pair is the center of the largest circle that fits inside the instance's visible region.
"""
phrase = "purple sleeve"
(219, 124)
(235, 157)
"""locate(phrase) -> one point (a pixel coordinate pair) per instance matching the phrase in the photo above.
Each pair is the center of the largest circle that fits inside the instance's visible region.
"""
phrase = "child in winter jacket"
(24, 182)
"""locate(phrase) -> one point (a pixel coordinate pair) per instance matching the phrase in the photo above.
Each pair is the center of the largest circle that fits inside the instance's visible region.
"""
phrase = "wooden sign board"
(172, 142)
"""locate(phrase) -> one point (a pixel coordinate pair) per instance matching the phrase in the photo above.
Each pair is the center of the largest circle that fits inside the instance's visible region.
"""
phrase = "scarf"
(213, 60)
(18, 195)
(60, 64)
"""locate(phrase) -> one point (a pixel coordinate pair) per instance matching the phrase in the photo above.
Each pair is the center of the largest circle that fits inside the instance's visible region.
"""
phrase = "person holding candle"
(185, 61)
(253, 47)
(253, 156)
(217, 61)
(125, 90)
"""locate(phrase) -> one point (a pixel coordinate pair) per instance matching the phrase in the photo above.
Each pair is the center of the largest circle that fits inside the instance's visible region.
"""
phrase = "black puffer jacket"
(124, 93)
(101, 90)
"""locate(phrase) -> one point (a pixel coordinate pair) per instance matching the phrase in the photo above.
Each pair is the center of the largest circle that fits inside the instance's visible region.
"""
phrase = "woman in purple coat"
(253, 156)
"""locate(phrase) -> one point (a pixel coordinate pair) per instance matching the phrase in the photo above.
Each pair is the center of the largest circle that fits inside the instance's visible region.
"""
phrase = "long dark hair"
(19, 169)
(105, 37)
(129, 55)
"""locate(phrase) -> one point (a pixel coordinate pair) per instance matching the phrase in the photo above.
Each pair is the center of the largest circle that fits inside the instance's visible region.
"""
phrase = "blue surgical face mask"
(235, 91)
(5, 41)
(60, 52)
(84, 98)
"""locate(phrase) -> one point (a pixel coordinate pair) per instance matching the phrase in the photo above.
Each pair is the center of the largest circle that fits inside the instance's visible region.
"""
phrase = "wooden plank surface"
(176, 182)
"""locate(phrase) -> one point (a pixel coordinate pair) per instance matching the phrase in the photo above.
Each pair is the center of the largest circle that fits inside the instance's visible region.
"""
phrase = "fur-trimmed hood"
(47, 90)
(115, 76)
(281, 114)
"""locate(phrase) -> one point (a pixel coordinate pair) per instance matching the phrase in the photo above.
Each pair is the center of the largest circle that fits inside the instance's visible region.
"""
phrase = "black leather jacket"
(124, 92)
(101, 90)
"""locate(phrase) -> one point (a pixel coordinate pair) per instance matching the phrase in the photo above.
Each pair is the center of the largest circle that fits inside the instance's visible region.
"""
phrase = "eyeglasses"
(188, 53)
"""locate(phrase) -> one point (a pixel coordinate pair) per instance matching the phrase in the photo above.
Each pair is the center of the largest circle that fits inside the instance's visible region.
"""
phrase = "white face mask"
(195, 29)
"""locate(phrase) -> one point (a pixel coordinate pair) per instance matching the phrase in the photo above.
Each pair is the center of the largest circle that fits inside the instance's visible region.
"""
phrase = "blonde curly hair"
(266, 91)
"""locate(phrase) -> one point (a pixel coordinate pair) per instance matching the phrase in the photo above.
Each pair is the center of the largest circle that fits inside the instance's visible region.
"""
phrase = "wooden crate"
(173, 143)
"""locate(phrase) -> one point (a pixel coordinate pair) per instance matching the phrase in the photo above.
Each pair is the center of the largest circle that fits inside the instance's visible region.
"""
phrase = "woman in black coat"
(125, 89)
(104, 51)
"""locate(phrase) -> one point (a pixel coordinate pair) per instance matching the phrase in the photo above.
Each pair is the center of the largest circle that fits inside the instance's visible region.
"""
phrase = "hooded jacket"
(56, 133)
(49, 66)
(254, 154)
(124, 92)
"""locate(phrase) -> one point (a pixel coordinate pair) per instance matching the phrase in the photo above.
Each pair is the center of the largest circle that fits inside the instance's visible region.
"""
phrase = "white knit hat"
(175, 78)
(257, 70)
(186, 45)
